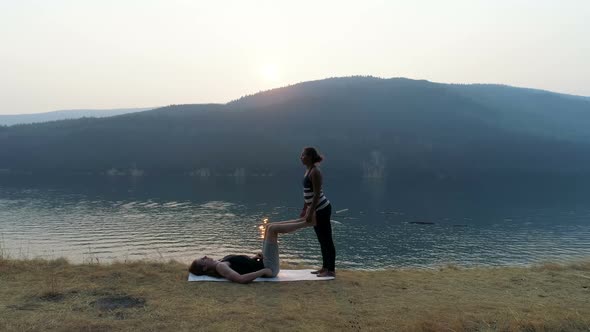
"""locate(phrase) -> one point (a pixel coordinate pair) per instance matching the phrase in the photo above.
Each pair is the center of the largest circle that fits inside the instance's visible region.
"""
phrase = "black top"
(308, 193)
(243, 264)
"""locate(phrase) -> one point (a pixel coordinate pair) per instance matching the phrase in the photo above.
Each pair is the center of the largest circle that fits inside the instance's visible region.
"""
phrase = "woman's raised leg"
(285, 222)
(274, 229)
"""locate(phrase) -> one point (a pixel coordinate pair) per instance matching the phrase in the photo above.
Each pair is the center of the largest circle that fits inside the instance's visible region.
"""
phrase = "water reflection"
(262, 228)
(393, 225)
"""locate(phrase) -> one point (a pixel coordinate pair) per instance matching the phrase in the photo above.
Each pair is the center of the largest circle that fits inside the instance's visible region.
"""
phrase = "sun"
(270, 73)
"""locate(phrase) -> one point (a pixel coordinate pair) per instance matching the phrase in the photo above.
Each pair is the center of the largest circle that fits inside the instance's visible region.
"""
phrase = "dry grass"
(55, 295)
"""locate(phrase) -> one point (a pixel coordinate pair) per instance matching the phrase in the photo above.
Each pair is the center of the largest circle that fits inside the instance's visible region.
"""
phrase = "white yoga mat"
(284, 275)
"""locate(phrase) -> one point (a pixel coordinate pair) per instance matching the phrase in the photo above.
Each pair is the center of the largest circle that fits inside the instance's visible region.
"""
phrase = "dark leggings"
(323, 230)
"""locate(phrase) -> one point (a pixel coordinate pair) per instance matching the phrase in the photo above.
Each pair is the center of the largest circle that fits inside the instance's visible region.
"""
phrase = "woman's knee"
(270, 228)
(271, 233)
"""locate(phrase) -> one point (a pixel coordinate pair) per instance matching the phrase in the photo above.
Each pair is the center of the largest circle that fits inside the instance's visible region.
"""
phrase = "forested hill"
(9, 120)
(365, 126)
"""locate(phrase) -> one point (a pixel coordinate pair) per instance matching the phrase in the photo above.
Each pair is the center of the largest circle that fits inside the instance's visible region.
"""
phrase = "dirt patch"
(52, 297)
(118, 302)
(36, 302)
(29, 306)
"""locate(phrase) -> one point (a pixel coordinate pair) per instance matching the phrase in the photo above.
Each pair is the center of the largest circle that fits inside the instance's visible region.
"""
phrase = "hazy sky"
(62, 54)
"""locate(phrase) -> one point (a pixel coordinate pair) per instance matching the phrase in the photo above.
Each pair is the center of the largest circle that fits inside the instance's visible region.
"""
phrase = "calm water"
(106, 219)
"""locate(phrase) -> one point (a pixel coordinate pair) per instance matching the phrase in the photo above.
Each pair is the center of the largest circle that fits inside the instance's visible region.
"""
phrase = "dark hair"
(313, 153)
(198, 270)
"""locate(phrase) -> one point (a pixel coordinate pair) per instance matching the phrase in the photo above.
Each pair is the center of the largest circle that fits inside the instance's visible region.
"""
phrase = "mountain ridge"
(16, 119)
(365, 126)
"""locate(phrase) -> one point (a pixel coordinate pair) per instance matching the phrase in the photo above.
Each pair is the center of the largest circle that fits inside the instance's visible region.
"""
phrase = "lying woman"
(244, 269)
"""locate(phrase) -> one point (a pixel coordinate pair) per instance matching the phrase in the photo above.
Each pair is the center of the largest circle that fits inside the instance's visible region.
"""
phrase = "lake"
(380, 224)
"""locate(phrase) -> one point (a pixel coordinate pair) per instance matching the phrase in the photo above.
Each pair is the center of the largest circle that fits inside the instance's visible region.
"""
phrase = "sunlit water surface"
(378, 225)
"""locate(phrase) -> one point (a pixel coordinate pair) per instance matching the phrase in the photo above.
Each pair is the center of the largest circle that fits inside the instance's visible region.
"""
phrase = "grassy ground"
(55, 295)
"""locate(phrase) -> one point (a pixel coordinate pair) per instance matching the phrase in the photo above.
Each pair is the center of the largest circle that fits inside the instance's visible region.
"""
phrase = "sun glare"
(270, 73)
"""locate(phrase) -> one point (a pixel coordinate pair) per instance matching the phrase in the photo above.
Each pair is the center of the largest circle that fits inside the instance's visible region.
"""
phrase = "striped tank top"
(308, 193)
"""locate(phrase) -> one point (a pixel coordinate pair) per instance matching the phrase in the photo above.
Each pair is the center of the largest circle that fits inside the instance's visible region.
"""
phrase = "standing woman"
(316, 202)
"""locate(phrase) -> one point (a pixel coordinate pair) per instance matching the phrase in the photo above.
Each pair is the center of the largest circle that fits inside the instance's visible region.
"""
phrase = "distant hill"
(9, 120)
(535, 111)
(365, 126)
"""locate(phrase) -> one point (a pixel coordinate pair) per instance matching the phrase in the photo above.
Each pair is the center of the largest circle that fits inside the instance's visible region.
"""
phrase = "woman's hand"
(311, 219)
(303, 212)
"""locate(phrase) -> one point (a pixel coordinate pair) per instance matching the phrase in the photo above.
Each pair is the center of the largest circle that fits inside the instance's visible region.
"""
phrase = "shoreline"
(145, 295)
(298, 264)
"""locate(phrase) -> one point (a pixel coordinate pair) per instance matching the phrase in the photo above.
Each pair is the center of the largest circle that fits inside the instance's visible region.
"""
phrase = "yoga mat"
(284, 275)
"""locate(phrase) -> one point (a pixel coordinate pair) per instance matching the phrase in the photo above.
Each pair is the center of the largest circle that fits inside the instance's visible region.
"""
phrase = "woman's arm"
(227, 272)
(303, 212)
(316, 181)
